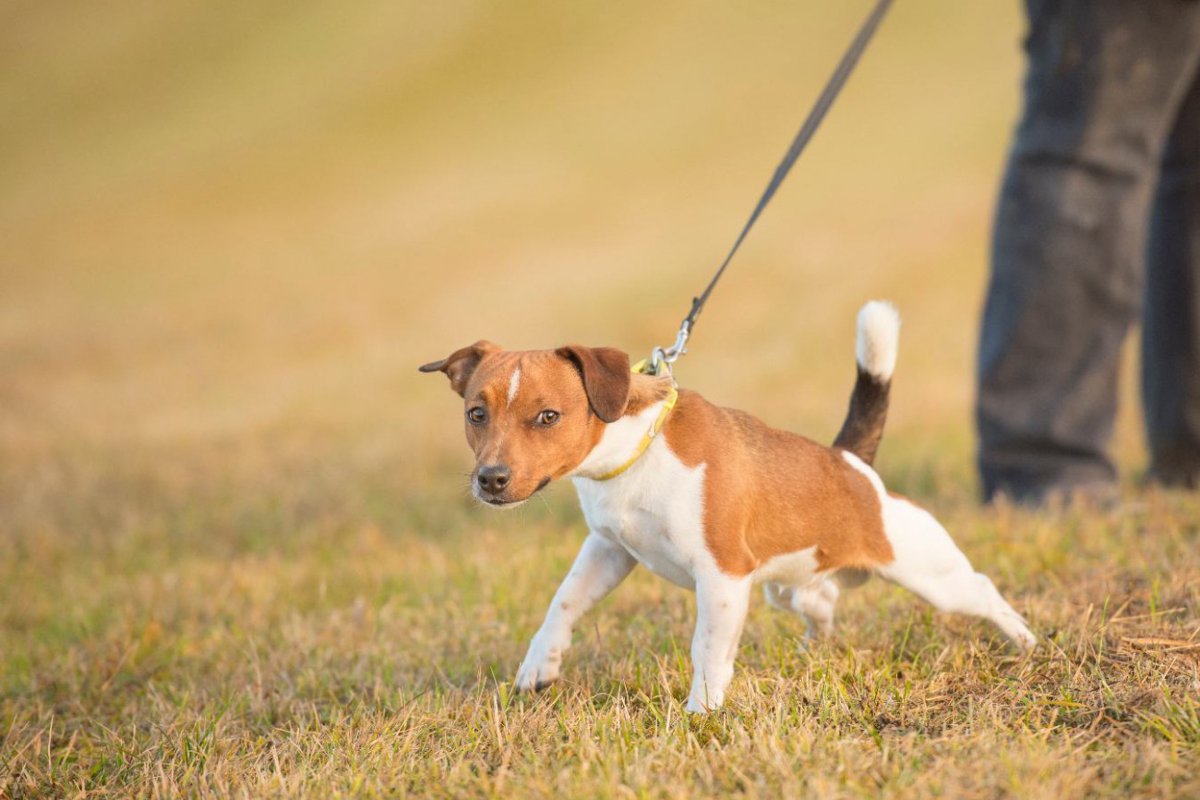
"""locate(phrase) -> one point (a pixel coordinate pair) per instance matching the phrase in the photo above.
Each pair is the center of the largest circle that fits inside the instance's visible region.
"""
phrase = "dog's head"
(533, 416)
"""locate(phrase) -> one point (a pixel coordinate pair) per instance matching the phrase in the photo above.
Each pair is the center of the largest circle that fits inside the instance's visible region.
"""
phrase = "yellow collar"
(648, 437)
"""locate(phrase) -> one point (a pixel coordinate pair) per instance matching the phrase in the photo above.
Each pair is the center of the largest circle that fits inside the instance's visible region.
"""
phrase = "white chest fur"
(655, 510)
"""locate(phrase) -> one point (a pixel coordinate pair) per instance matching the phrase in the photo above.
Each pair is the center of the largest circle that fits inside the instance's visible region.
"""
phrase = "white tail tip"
(878, 338)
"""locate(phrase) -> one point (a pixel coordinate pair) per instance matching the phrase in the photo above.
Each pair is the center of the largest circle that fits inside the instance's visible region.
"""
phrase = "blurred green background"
(231, 231)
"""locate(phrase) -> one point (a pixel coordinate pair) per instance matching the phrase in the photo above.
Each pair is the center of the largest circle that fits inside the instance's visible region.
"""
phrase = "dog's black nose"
(493, 479)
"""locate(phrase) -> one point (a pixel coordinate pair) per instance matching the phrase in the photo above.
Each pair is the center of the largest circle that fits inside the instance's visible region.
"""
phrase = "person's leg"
(1171, 317)
(1103, 80)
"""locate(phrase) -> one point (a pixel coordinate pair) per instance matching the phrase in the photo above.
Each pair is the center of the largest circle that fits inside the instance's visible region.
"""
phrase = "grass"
(236, 557)
(367, 654)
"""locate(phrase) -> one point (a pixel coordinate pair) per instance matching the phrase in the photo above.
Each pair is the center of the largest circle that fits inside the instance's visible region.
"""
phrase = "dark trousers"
(1099, 216)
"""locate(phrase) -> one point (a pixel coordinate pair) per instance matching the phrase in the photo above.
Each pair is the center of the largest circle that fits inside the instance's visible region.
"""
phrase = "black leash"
(811, 123)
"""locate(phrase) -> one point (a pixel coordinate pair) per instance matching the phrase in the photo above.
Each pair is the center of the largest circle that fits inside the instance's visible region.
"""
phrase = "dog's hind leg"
(599, 567)
(778, 595)
(928, 563)
(814, 602)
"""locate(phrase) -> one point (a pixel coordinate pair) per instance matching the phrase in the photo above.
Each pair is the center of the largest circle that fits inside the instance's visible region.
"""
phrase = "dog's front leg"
(721, 605)
(599, 567)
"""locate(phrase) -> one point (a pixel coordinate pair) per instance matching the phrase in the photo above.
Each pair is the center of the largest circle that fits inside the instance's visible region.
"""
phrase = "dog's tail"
(875, 352)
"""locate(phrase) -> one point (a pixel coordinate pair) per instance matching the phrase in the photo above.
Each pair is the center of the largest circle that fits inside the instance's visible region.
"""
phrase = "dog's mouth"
(501, 500)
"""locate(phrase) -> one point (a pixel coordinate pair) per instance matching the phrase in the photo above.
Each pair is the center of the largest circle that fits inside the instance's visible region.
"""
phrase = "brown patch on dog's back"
(769, 492)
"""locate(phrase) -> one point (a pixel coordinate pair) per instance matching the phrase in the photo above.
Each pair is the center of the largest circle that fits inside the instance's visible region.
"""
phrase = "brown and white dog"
(717, 503)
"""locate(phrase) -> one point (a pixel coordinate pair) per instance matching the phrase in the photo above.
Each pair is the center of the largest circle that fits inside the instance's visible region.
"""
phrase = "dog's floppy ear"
(460, 364)
(606, 378)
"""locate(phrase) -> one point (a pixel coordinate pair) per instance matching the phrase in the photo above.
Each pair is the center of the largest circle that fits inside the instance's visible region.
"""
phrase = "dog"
(709, 498)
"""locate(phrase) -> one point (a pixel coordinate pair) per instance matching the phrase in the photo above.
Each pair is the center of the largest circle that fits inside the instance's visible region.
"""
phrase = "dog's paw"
(696, 705)
(540, 667)
(1015, 628)
(535, 678)
(704, 699)
(1024, 640)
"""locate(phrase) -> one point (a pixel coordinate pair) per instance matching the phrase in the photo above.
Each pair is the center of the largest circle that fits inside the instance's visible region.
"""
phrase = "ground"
(239, 558)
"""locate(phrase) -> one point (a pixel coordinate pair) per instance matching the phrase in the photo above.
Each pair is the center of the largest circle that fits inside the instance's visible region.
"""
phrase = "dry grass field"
(237, 557)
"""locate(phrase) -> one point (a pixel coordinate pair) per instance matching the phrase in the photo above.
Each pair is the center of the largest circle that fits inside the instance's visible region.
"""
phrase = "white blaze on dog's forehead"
(514, 383)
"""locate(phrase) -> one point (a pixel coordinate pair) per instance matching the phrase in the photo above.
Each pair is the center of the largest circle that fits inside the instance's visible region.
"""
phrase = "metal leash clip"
(660, 358)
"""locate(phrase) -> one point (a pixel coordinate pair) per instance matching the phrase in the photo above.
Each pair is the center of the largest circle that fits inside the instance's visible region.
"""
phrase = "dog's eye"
(548, 417)
(477, 415)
